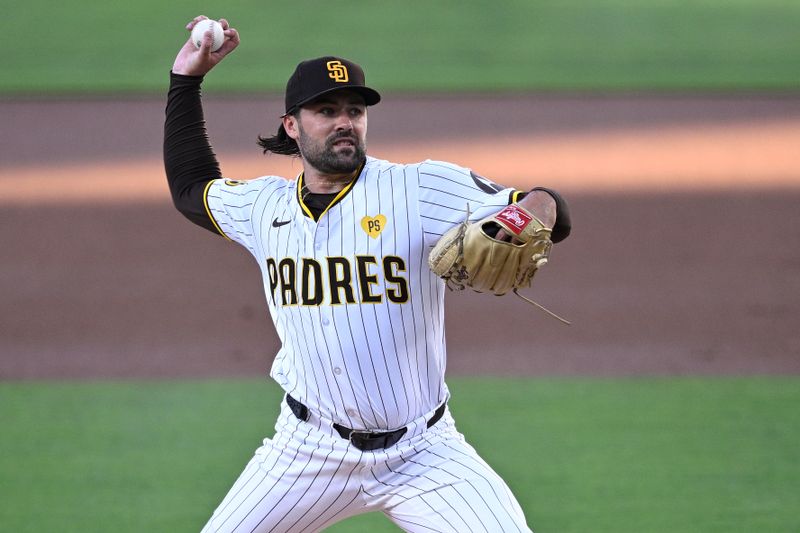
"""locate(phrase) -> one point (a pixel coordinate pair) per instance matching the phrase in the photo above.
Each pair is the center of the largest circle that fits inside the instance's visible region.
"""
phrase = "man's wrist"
(542, 205)
(185, 77)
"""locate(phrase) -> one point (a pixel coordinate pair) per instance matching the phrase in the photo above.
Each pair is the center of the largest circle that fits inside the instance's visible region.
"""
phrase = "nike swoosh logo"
(278, 224)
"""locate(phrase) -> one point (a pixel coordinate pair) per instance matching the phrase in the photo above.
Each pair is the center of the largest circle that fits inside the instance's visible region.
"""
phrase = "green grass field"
(621, 455)
(102, 47)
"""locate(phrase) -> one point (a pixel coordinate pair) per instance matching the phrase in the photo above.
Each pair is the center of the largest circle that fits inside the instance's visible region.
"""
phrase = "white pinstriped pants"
(307, 478)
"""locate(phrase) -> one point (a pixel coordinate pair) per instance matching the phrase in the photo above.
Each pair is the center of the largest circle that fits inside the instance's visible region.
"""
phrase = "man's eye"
(356, 112)
(327, 111)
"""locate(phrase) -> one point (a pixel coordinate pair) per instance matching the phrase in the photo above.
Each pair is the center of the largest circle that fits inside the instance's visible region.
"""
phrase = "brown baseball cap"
(315, 77)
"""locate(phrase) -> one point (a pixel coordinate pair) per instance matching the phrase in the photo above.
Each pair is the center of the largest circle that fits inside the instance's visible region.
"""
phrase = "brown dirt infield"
(684, 257)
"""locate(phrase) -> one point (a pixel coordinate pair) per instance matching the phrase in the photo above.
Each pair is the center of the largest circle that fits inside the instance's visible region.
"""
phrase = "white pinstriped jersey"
(359, 313)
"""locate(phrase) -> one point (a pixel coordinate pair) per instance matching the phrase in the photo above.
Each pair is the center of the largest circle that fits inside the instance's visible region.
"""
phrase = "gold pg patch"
(373, 226)
(337, 71)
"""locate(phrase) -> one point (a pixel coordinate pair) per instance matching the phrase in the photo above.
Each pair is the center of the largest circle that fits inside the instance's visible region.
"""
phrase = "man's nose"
(344, 122)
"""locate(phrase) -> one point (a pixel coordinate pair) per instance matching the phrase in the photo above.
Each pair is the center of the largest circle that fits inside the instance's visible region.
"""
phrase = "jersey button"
(325, 321)
(351, 412)
(337, 370)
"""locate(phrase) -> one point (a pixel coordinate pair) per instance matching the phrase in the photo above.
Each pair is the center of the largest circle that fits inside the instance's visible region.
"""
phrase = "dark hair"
(280, 143)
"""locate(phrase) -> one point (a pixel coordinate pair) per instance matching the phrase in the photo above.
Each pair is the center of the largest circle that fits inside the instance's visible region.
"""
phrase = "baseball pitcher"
(356, 254)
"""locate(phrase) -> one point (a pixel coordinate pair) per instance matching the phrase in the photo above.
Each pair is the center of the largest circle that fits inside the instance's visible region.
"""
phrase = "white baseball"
(202, 27)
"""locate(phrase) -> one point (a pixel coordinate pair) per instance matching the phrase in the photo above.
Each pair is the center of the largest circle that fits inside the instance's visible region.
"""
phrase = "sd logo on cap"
(315, 77)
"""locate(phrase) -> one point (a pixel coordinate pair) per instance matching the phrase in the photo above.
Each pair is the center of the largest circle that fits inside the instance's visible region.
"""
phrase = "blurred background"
(134, 346)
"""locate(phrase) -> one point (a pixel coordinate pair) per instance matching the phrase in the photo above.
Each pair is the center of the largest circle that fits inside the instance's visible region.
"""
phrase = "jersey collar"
(336, 198)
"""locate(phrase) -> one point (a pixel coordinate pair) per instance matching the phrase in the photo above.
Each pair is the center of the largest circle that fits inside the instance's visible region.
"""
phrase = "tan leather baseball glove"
(470, 256)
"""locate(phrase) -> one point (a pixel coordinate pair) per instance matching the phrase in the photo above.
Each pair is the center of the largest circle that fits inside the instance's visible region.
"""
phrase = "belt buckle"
(370, 441)
(364, 438)
(356, 432)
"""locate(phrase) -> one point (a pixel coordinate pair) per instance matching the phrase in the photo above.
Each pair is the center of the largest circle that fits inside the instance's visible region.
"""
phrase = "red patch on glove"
(515, 218)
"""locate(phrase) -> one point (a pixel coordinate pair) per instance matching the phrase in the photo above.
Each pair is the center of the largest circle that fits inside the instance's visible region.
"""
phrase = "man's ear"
(292, 127)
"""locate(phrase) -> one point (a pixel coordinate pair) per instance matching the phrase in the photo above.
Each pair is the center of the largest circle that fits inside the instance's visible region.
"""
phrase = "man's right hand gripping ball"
(470, 255)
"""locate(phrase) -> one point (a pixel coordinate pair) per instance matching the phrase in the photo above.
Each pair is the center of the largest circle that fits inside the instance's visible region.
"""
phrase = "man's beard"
(326, 159)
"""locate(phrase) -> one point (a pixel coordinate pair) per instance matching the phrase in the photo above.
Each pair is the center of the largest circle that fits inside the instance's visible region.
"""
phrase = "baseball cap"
(315, 77)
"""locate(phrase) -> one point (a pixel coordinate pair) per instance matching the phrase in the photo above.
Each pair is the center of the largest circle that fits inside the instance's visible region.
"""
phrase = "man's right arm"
(189, 161)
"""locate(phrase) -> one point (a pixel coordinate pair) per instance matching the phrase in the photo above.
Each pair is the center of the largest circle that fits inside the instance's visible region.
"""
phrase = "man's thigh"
(296, 482)
(441, 484)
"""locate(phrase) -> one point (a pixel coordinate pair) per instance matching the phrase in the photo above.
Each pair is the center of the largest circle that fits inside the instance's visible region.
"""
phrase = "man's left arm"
(549, 207)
